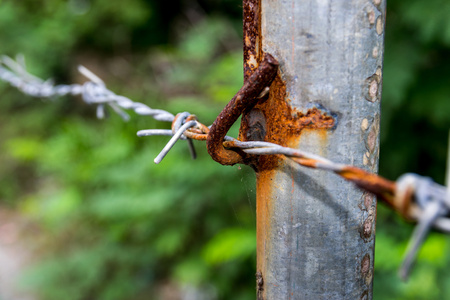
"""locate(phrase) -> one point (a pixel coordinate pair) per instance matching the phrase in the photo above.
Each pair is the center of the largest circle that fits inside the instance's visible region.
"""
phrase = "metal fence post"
(315, 232)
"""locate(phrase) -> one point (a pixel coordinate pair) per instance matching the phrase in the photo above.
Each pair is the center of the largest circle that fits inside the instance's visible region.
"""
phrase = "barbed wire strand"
(414, 197)
(93, 91)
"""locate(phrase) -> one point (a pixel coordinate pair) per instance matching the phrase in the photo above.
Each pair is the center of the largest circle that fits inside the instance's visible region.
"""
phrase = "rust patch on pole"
(283, 123)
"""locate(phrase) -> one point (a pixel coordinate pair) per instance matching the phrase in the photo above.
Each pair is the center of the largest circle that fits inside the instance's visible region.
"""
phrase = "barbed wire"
(414, 197)
(93, 91)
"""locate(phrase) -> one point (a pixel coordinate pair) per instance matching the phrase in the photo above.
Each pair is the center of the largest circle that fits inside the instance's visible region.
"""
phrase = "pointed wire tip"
(403, 273)
(90, 75)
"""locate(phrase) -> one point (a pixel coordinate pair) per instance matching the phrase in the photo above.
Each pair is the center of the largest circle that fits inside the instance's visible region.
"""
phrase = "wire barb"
(173, 140)
(93, 91)
(416, 198)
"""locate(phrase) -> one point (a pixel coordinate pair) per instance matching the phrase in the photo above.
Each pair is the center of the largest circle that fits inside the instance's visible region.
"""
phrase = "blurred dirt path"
(14, 254)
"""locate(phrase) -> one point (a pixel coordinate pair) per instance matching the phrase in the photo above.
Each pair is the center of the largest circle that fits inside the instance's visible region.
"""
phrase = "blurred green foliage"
(115, 225)
(414, 138)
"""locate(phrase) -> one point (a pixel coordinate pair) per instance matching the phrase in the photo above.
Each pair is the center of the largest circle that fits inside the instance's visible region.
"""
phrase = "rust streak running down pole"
(315, 232)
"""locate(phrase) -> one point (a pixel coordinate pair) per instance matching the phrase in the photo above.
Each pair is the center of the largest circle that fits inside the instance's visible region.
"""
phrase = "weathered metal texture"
(315, 231)
(245, 99)
(252, 41)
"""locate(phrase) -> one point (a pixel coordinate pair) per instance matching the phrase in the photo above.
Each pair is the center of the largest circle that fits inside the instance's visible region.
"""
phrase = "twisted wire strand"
(93, 91)
(414, 197)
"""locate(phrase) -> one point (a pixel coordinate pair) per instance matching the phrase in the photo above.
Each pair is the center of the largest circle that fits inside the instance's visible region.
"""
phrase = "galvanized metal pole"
(315, 231)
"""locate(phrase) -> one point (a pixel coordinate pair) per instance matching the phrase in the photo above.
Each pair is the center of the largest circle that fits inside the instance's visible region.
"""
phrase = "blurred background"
(86, 214)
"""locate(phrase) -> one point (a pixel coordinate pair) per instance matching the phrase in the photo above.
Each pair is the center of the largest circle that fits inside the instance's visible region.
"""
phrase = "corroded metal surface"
(246, 98)
(252, 41)
(315, 234)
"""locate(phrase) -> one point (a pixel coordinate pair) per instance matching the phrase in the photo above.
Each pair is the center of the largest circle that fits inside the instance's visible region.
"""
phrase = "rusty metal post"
(315, 231)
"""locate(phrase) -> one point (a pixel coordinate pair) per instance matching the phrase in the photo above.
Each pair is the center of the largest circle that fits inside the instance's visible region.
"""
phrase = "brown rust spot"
(247, 41)
(368, 225)
(367, 228)
(372, 137)
(368, 199)
(284, 124)
(365, 264)
(252, 28)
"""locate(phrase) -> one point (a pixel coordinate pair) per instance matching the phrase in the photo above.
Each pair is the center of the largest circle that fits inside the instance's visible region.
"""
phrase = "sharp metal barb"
(151, 132)
(192, 148)
(90, 75)
(173, 140)
(119, 111)
(428, 217)
(429, 213)
(93, 91)
(100, 111)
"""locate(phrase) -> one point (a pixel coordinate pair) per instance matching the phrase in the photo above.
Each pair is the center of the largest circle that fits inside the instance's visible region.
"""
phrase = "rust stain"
(368, 200)
(372, 137)
(284, 124)
(367, 228)
(365, 264)
(252, 28)
(368, 225)
(263, 220)
(366, 272)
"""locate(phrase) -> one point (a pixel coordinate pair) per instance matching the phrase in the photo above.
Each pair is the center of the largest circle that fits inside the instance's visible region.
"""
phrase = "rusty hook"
(246, 98)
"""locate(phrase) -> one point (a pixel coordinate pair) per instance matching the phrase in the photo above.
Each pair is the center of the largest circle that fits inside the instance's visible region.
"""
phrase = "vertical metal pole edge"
(316, 232)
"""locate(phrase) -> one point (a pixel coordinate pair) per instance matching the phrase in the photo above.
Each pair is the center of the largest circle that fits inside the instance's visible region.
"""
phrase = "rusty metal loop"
(179, 120)
(246, 98)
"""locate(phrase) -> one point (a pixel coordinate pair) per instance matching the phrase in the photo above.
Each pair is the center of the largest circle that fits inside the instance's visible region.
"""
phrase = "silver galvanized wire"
(433, 200)
(93, 91)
